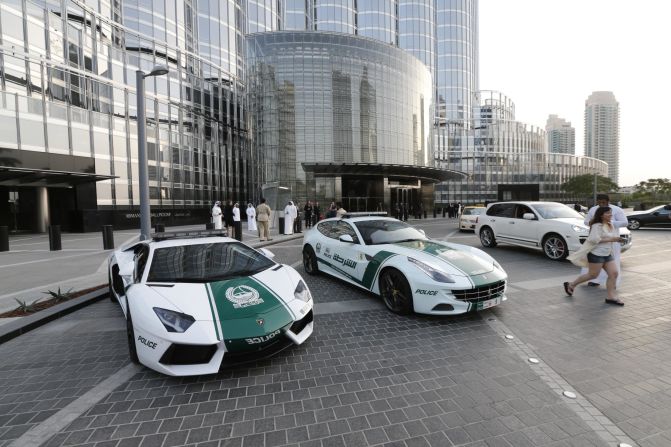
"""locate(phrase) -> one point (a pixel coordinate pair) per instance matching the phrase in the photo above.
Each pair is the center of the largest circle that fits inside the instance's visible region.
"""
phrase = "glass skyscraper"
(68, 126)
(68, 139)
(602, 131)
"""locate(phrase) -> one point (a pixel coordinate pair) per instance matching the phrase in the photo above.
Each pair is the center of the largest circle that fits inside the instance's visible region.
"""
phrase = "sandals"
(568, 289)
(615, 302)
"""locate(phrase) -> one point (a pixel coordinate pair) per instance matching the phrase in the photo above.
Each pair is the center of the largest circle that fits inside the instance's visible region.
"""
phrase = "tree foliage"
(583, 185)
(655, 185)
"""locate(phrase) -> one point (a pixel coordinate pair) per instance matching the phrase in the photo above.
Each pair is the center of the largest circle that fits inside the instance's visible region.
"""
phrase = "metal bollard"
(434, 213)
(209, 226)
(237, 225)
(4, 238)
(424, 214)
(281, 225)
(108, 237)
(55, 237)
(443, 212)
(299, 226)
(159, 228)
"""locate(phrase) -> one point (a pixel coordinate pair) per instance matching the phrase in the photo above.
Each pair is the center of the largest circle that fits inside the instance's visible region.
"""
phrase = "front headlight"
(174, 321)
(302, 292)
(435, 274)
(579, 229)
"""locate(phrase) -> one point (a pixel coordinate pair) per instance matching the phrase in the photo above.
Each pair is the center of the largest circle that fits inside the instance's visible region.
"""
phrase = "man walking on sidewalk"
(263, 215)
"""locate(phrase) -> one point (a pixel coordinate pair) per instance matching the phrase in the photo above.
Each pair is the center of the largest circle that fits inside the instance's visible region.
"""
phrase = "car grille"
(481, 293)
(178, 354)
(299, 325)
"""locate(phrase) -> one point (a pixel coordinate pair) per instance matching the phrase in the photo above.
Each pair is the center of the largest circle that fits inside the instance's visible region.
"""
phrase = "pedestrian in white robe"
(290, 213)
(216, 216)
(619, 220)
(251, 217)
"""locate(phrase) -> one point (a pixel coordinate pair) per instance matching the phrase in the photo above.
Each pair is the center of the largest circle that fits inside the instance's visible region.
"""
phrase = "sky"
(548, 56)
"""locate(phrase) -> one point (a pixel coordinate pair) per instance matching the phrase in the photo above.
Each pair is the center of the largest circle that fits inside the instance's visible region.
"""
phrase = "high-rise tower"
(560, 135)
(602, 131)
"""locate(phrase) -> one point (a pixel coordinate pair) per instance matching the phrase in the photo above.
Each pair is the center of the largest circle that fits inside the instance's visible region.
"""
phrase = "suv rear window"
(501, 210)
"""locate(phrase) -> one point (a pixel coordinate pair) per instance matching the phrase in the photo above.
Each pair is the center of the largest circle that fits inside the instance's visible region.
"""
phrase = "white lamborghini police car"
(398, 262)
(194, 303)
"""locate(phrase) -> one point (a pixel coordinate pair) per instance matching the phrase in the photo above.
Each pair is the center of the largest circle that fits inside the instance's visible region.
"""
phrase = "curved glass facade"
(330, 97)
(68, 87)
(334, 15)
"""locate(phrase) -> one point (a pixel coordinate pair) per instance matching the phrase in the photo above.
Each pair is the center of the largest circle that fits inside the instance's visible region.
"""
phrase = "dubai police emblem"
(243, 296)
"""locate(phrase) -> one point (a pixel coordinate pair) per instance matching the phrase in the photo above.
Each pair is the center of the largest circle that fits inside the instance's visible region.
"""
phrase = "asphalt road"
(367, 377)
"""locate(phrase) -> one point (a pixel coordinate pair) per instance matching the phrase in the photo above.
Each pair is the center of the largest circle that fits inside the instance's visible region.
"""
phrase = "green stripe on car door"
(215, 318)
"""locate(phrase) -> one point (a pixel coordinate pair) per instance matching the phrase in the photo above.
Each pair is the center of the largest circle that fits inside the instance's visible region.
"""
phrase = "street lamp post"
(145, 213)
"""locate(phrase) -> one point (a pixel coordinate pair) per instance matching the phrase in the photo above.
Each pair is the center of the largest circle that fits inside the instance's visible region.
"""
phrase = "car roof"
(524, 202)
(176, 242)
(358, 218)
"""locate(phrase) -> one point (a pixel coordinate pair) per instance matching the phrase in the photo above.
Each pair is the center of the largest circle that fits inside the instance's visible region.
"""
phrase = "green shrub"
(25, 307)
(58, 296)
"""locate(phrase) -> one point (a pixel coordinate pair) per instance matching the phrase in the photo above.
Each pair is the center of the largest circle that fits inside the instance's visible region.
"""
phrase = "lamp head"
(158, 70)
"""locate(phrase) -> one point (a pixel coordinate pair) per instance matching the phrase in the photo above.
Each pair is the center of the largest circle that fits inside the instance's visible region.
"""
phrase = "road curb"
(18, 327)
(25, 324)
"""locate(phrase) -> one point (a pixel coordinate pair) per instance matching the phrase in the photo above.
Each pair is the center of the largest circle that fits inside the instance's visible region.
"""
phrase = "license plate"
(489, 303)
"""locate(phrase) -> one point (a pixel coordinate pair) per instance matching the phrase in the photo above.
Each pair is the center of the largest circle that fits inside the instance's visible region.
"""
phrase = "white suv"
(551, 227)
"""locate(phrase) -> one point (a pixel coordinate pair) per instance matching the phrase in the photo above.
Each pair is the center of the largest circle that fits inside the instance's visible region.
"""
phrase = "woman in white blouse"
(251, 217)
(597, 253)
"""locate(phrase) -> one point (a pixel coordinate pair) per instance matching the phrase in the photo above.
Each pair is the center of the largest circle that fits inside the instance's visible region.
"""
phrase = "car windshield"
(206, 262)
(556, 211)
(387, 231)
(472, 211)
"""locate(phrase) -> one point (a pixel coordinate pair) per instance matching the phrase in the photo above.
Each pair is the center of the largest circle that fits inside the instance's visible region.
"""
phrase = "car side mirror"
(346, 238)
(267, 253)
(126, 273)
(528, 216)
(422, 231)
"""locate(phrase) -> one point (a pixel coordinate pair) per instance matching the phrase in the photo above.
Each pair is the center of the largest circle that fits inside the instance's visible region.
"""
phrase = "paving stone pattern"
(618, 358)
(44, 370)
(363, 379)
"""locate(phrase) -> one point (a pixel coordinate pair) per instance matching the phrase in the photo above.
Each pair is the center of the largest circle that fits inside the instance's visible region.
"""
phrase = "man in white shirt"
(619, 220)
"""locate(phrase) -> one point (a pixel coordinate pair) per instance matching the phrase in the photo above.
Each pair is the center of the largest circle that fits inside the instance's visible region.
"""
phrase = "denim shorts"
(595, 259)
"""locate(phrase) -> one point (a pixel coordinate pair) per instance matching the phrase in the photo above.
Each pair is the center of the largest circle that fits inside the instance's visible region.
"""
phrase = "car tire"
(396, 292)
(554, 247)
(487, 238)
(130, 333)
(310, 261)
(634, 224)
(111, 289)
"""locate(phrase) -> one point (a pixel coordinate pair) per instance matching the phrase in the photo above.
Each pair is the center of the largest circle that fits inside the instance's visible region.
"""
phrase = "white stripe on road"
(53, 259)
(43, 431)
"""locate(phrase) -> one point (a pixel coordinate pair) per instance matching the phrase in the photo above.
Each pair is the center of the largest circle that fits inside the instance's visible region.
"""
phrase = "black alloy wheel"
(554, 247)
(130, 333)
(310, 261)
(395, 292)
(487, 238)
(634, 224)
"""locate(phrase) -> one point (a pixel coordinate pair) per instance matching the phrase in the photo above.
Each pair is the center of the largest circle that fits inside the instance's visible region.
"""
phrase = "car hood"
(637, 213)
(451, 258)
(240, 298)
(569, 221)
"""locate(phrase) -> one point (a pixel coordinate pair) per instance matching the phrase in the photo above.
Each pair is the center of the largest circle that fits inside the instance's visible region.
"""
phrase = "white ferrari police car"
(398, 262)
(194, 303)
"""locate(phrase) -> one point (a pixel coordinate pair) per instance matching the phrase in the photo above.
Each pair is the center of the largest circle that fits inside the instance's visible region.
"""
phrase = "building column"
(386, 194)
(338, 189)
(42, 220)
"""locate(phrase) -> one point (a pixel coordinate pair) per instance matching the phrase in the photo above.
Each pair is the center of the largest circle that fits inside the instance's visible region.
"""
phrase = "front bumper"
(191, 354)
(458, 300)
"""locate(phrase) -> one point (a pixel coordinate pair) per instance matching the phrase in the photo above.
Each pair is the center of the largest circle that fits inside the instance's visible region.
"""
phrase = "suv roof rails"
(165, 235)
(363, 214)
